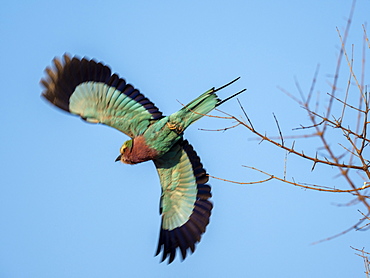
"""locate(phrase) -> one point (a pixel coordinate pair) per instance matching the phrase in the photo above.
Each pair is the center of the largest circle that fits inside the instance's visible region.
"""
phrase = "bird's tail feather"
(201, 106)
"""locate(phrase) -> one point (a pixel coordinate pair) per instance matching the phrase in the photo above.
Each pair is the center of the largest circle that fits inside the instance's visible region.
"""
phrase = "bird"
(87, 88)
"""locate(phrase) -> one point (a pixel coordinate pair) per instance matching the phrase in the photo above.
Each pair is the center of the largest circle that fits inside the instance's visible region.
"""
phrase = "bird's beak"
(118, 158)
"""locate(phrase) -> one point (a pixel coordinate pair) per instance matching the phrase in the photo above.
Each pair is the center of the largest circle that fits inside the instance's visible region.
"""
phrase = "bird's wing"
(185, 207)
(89, 89)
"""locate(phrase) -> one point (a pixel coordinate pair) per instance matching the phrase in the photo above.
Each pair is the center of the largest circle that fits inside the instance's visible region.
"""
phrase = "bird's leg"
(176, 127)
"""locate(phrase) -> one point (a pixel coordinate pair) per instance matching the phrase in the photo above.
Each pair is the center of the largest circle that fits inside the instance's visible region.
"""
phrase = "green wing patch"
(184, 205)
(88, 89)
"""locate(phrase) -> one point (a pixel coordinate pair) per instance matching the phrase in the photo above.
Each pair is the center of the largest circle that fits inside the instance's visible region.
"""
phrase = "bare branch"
(312, 186)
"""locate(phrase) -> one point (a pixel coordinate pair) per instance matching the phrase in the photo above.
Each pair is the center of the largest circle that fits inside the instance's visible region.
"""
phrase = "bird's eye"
(122, 148)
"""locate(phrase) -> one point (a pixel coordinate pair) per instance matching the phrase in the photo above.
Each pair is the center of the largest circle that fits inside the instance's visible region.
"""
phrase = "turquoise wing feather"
(185, 207)
(89, 89)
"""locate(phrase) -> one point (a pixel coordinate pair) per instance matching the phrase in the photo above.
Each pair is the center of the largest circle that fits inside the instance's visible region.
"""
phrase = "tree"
(339, 125)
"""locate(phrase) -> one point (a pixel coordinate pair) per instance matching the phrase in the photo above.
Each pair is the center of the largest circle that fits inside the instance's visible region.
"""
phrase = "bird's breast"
(140, 152)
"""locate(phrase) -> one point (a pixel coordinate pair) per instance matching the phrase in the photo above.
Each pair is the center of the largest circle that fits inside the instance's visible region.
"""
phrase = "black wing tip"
(67, 72)
(184, 238)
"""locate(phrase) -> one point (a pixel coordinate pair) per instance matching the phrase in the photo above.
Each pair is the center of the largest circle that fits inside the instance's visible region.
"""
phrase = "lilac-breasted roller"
(88, 89)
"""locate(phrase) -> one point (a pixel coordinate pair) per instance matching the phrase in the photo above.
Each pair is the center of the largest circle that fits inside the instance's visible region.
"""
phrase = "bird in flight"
(88, 89)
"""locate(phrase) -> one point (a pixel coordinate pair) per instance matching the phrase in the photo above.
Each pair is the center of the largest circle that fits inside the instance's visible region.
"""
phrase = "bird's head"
(125, 150)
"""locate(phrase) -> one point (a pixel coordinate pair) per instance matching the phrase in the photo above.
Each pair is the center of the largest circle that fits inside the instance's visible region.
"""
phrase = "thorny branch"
(338, 119)
(366, 258)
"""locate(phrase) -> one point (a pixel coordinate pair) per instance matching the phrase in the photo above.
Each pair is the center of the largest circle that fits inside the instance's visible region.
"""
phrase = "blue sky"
(68, 210)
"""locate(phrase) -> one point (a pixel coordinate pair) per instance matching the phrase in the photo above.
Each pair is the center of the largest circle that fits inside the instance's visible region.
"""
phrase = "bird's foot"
(176, 127)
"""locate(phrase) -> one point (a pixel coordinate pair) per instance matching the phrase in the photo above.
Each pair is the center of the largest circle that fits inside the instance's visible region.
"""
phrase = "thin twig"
(220, 129)
(280, 133)
(237, 182)
(353, 227)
